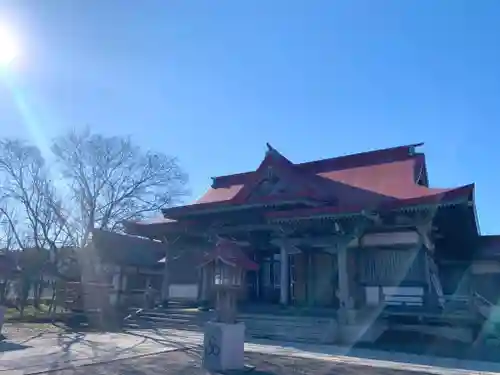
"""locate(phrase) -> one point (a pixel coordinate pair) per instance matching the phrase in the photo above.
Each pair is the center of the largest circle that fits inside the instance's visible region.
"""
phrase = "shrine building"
(355, 234)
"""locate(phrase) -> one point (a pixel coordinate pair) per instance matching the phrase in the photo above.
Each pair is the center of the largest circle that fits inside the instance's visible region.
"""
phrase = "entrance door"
(252, 278)
(270, 279)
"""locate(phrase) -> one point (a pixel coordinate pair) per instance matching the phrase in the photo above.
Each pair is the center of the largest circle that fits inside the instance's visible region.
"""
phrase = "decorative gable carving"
(271, 184)
(276, 176)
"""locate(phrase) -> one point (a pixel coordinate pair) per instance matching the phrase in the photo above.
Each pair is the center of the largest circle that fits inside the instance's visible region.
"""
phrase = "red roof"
(230, 253)
(368, 180)
(433, 197)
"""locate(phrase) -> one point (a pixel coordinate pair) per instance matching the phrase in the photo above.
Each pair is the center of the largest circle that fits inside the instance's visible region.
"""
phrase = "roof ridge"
(410, 149)
(406, 150)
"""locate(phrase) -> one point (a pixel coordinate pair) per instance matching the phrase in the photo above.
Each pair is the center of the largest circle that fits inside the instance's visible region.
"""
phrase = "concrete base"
(224, 346)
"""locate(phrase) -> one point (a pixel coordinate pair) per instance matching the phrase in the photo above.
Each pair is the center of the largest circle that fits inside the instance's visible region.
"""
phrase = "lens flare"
(9, 48)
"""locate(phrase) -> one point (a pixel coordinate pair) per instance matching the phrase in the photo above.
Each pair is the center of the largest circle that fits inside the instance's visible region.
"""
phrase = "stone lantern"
(224, 338)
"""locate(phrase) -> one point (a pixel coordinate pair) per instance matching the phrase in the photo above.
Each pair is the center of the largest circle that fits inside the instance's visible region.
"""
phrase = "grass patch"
(31, 314)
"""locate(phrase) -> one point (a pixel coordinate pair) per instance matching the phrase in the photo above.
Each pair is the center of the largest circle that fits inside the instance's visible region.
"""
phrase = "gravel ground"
(184, 363)
(188, 363)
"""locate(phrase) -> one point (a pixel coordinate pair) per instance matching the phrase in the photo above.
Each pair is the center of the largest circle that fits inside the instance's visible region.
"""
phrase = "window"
(226, 275)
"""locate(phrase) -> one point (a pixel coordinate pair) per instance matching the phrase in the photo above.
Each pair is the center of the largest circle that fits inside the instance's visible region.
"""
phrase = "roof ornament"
(270, 149)
(412, 149)
(213, 181)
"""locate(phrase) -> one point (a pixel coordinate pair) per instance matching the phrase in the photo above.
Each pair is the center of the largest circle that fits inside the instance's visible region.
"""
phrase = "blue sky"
(212, 81)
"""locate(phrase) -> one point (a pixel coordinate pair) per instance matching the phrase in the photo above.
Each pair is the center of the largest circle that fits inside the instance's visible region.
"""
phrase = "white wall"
(183, 291)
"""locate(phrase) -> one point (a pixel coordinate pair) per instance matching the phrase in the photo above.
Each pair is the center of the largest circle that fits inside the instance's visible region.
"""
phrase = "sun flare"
(9, 49)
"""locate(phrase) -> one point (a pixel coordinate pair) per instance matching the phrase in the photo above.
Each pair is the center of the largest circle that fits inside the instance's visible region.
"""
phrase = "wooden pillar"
(343, 284)
(165, 285)
(124, 280)
(115, 286)
(310, 292)
(284, 282)
(204, 283)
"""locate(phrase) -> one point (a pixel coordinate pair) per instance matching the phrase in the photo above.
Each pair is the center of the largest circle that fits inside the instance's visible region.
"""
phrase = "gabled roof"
(231, 254)
(305, 186)
(368, 180)
(123, 249)
(151, 227)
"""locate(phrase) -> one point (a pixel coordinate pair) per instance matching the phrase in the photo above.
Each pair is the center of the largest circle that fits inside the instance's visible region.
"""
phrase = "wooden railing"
(482, 299)
(483, 305)
(487, 309)
(453, 302)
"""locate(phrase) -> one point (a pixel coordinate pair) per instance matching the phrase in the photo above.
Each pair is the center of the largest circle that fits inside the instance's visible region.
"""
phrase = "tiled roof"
(368, 158)
(230, 253)
(221, 194)
(367, 180)
(127, 250)
(151, 227)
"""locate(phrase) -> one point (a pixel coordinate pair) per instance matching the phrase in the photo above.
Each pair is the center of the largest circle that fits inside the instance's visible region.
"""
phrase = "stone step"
(274, 327)
(290, 328)
(293, 328)
(288, 321)
(285, 334)
(170, 316)
(162, 320)
(271, 325)
(147, 325)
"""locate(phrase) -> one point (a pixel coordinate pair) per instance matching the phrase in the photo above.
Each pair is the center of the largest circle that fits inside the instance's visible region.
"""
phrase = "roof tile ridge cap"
(411, 154)
(303, 165)
(375, 163)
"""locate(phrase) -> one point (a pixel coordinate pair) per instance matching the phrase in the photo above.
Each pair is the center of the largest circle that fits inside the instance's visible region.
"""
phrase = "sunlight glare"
(8, 46)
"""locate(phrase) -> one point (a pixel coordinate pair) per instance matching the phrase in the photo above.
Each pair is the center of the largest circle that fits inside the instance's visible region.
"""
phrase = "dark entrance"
(264, 284)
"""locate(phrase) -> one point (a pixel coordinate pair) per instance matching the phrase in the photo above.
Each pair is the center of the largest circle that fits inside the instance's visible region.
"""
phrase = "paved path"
(188, 363)
(70, 351)
(364, 357)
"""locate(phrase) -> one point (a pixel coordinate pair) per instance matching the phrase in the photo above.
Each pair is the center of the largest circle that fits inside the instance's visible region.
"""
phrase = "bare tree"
(31, 211)
(95, 182)
(7, 244)
(111, 179)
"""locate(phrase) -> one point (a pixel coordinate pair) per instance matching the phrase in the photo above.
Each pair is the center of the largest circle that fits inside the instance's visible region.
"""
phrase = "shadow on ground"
(6, 346)
(389, 348)
(181, 363)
